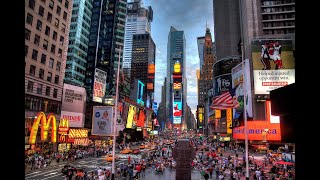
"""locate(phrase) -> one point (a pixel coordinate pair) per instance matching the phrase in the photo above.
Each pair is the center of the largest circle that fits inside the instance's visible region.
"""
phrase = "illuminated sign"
(177, 67)
(45, 122)
(273, 119)
(140, 93)
(139, 129)
(130, 116)
(256, 129)
(229, 120)
(63, 126)
(217, 113)
(176, 85)
(150, 86)
(81, 141)
(78, 133)
(151, 69)
(99, 85)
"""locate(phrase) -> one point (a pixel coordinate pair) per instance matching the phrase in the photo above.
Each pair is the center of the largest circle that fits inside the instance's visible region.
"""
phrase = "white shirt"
(99, 171)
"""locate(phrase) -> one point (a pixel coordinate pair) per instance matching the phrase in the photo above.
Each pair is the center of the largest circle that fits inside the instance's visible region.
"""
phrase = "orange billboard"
(256, 131)
(151, 69)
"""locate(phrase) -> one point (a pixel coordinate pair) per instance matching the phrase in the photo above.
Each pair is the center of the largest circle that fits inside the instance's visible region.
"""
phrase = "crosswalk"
(132, 156)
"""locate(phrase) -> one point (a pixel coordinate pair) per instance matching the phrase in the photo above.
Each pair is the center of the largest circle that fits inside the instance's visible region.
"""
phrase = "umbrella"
(284, 162)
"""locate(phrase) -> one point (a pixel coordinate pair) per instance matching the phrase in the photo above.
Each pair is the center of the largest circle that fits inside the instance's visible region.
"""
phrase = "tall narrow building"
(78, 42)
(138, 21)
(200, 42)
(105, 43)
(176, 83)
(143, 61)
(46, 42)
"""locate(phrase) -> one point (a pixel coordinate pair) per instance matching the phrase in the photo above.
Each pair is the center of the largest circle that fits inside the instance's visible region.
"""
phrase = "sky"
(189, 16)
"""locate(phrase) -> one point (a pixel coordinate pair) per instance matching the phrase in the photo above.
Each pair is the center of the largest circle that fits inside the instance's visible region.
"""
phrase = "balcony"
(278, 27)
(276, 20)
(277, 5)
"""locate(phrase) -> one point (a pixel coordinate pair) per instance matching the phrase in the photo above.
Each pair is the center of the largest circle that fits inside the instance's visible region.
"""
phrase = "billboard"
(140, 93)
(257, 131)
(220, 125)
(99, 85)
(73, 105)
(151, 69)
(273, 64)
(221, 84)
(131, 113)
(229, 120)
(102, 120)
(177, 112)
(177, 86)
(237, 82)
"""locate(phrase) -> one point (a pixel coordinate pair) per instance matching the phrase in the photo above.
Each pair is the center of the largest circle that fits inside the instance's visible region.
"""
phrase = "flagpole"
(245, 113)
(115, 119)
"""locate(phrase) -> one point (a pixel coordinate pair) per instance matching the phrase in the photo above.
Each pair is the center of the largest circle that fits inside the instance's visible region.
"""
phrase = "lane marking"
(42, 173)
(50, 174)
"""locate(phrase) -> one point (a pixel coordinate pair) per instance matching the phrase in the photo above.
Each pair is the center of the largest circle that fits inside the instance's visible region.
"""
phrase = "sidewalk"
(53, 164)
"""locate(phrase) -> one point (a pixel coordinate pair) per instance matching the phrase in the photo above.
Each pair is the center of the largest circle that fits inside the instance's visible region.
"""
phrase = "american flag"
(225, 100)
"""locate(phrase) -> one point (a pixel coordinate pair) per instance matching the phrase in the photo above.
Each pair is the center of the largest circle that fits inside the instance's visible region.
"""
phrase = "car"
(109, 158)
(142, 146)
(126, 151)
(66, 168)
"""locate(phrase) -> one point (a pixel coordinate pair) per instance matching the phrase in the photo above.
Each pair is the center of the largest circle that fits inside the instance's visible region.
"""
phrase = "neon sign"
(45, 122)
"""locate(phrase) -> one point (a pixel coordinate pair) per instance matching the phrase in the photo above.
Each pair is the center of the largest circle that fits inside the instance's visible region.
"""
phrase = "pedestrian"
(206, 175)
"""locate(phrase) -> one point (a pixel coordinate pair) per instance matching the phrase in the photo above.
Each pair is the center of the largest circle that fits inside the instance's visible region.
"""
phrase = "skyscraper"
(176, 69)
(200, 42)
(78, 42)
(105, 42)
(46, 42)
(138, 21)
(143, 61)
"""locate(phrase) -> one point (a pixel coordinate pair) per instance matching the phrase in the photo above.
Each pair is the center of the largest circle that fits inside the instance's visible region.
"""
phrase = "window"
(43, 58)
(45, 44)
(49, 76)
(51, 62)
(39, 89)
(29, 19)
(31, 4)
(61, 40)
(60, 52)
(64, 15)
(27, 34)
(56, 79)
(39, 25)
(66, 4)
(55, 93)
(34, 54)
(54, 35)
(41, 11)
(58, 10)
(47, 91)
(41, 73)
(32, 70)
(49, 17)
(36, 39)
(63, 27)
(47, 32)
(53, 48)
(30, 86)
(26, 48)
(51, 4)
(58, 66)
(56, 22)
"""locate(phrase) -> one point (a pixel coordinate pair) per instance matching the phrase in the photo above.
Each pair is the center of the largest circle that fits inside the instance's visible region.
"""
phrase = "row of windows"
(40, 87)
(32, 72)
(278, 24)
(278, 16)
(36, 104)
(279, 31)
(266, 3)
(278, 9)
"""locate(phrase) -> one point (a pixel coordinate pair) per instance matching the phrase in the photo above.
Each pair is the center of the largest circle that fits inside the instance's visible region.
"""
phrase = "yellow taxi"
(126, 151)
(109, 158)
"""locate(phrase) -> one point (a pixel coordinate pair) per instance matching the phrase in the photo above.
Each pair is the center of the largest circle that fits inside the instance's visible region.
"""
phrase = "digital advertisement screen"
(140, 93)
(177, 112)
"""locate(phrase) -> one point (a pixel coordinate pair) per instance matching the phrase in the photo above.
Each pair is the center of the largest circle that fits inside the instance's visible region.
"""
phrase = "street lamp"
(266, 133)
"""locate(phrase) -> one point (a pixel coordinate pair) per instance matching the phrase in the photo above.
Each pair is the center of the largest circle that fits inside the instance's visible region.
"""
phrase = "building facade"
(46, 42)
(105, 44)
(143, 60)
(200, 42)
(138, 21)
(176, 69)
(78, 42)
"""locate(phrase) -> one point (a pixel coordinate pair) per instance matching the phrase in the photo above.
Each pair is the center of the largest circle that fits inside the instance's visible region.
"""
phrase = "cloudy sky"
(189, 16)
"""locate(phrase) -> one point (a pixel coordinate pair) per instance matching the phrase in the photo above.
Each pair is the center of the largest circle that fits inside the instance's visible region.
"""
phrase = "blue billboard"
(140, 93)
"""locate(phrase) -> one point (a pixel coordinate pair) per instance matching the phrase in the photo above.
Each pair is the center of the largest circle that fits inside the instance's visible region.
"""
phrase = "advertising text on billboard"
(99, 85)
(177, 112)
(273, 64)
(102, 120)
